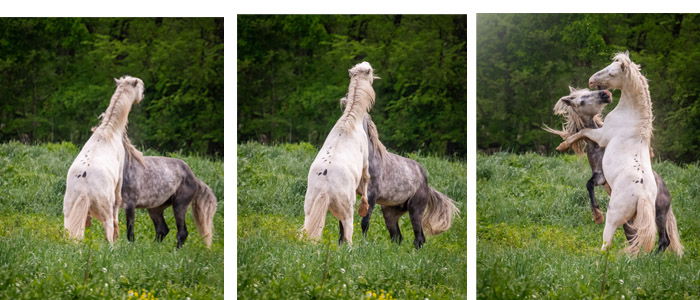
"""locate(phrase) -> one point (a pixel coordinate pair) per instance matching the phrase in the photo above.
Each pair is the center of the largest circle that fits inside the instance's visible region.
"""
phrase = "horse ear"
(572, 89)
(134, 83)
(627, 53)
(566, 100)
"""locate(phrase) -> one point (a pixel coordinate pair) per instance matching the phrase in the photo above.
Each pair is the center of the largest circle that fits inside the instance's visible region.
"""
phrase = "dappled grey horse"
(582, 108)
(155, 183)
(400, 185)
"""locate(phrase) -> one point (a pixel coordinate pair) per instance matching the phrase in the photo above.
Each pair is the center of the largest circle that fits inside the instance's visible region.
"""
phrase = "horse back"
(156, 181)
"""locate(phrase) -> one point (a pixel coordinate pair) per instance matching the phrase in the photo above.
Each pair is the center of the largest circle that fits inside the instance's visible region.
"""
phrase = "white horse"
(626, 136)
(94, 180)
(341, 167)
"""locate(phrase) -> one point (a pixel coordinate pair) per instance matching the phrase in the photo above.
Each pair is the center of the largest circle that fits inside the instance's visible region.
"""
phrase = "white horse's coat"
(93, 183)
(341, 167)
(626, 136)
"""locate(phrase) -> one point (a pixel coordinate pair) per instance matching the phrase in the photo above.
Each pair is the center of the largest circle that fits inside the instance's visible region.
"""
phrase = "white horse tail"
(672, 231)
(645, 226)
(203, 209)
(75, 215)
(315, 218)
(439, 212)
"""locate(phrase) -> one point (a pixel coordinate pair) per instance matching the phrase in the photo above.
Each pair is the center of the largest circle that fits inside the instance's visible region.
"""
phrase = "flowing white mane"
(360, 96)
(116, 115)
(638, 84)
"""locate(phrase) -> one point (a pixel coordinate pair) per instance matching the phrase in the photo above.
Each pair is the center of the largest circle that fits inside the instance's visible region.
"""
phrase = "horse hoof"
(363, 209)
(598, 217)
(562, 147)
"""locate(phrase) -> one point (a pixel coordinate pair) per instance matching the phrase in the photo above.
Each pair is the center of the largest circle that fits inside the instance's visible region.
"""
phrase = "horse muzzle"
(605, 96)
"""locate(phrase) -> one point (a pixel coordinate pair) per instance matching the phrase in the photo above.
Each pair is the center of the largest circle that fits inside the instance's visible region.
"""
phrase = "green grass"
(273, 262)
(536, 237)
(38, 261)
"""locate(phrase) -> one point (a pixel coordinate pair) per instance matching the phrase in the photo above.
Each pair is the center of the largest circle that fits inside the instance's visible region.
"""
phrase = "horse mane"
(373, 136)
(639, 85)
(131, 152)
(360, 95)
(116, 115)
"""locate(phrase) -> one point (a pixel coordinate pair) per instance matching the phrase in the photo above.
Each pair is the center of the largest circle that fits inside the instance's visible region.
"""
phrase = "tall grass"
(39, 262)
(536, 237)
(274, 263)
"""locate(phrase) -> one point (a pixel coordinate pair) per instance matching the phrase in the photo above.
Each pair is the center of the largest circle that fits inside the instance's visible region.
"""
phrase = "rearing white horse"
(626, 136)
(94, 180)
(341, 167)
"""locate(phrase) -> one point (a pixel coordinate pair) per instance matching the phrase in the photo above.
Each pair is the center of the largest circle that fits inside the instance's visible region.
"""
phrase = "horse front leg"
(391, 219)
(595, 135)
(159, 224)
(180, 211)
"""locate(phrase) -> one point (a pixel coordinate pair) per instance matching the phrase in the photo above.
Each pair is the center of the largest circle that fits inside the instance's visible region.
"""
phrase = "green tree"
(292, 72)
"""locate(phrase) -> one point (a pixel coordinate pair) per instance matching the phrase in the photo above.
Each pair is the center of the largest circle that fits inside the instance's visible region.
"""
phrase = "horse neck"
(117, 114)
(635, 98)
(360, 100)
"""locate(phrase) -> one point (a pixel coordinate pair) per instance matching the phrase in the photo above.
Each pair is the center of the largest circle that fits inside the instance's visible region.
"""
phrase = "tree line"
(292, 70)
(57, 73)
(526, 61)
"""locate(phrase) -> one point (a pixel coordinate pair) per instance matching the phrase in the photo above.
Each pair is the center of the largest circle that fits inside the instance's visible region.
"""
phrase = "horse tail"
(203, 209)
(438, 213)
(672, 232)
(315, 210)
(645, 226)
(75, 214)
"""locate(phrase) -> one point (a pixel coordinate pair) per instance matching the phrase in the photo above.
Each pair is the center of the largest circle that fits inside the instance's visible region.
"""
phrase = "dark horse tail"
(438, 213)
(203, 209)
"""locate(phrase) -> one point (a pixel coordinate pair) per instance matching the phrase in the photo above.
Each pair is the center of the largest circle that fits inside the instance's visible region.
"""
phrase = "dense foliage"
(526, 61)
(57, 79)
(39, 261)
(293, 69)
(274, 263)
(537, 239)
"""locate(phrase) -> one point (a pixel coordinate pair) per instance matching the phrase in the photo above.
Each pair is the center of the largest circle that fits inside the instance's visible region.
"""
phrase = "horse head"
(613, 76)
(584, 103)
(132, 83)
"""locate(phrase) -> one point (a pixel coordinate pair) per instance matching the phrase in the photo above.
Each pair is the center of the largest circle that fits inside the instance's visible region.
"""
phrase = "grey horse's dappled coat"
(155, 183)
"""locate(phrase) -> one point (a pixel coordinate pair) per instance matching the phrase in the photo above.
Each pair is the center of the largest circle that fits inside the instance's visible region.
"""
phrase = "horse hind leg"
(107, 218)
(180, 210)
(346, 230)
(416, 208)
(662, 208)
(613, 220)
(590, 185)
(391, 219)
(159, 224)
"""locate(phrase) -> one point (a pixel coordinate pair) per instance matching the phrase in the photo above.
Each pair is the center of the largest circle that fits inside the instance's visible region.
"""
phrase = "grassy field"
(274, 263)
(536, 237)
(37, 261)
